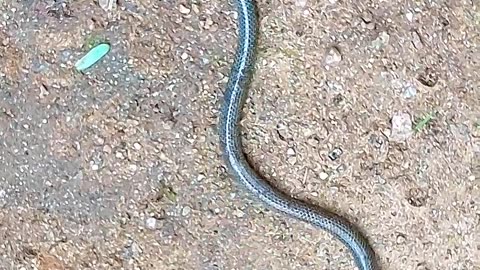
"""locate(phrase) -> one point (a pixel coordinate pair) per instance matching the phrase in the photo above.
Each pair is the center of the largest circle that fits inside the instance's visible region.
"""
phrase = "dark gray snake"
(235, 95)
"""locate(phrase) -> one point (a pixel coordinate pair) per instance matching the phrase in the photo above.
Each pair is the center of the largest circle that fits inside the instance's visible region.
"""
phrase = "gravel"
(119, 167)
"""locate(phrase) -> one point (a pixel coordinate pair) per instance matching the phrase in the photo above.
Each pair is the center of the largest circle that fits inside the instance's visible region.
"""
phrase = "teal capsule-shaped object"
(92, 57)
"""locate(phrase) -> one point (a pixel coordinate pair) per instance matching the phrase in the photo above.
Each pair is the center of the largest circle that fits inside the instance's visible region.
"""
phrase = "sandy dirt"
(120, 168)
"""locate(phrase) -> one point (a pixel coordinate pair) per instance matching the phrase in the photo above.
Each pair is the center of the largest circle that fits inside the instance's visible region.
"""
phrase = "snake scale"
(239, 168)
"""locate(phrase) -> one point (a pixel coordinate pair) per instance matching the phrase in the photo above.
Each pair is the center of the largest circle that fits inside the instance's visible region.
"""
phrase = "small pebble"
(400, 239)
(184, 56)
(107, 149)
(367, 16)
(290, 152)
(301, 3)
(99, 140)
(195, 8)
(95, 167)
(107, 5)
(335, 153)
(401, 127)
(409, 91)
(323, 175)
(409, 16)
(333, 56)
(137, 146)
(381, 41)
(5, 42)
(186, 211)
(292, 160)
(151, 223)
(183, 9)
(132, 167)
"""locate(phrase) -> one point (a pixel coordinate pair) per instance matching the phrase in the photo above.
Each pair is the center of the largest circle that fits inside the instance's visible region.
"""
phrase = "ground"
(119, 167)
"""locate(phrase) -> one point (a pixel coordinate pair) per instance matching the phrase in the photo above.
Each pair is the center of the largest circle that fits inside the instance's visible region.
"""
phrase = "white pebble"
(409, 16)
(401, 127)
(409, 92)
(119, 155)
(183, 9)
(132, 167)
(151, 223)
(186, 210)
(323, 175)
(95, 167)
(137, 146)
(290, 152)
(301, 3)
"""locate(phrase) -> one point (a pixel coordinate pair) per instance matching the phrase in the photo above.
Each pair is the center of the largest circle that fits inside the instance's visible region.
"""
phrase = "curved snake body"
(230, 140)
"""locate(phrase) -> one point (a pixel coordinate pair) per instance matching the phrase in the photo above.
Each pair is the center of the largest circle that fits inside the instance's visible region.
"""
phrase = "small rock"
(107, 149)
(301, 3)
(290, 152)
(183, 9)
(335, 153)
(323, 175)
(401, 127)
(400, 239)
(137, 146)
(2, 193)
(292, 160)
(409, 16)
(195, 8)
(119, 155)
(381, 41)
(151, 223)
(208, 23)
(107, 5)
(367, 16)
(99, 140)
(184, 56)
(5, 42)
(132, 167)
(333, 56)
(186, 211)
(409, 91)
(95, 167)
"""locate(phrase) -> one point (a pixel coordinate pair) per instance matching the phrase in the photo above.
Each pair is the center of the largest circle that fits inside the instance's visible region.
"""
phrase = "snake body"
(234, 98)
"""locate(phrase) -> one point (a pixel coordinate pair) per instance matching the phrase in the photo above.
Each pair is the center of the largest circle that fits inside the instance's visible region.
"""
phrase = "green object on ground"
(92, 57)
(424, 121)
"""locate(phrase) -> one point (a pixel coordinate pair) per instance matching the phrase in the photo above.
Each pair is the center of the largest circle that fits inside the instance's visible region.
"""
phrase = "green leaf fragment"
(423, 122)
(92, 57)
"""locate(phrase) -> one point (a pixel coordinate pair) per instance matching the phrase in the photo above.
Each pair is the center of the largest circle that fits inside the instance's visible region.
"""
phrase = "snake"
(239, 168)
